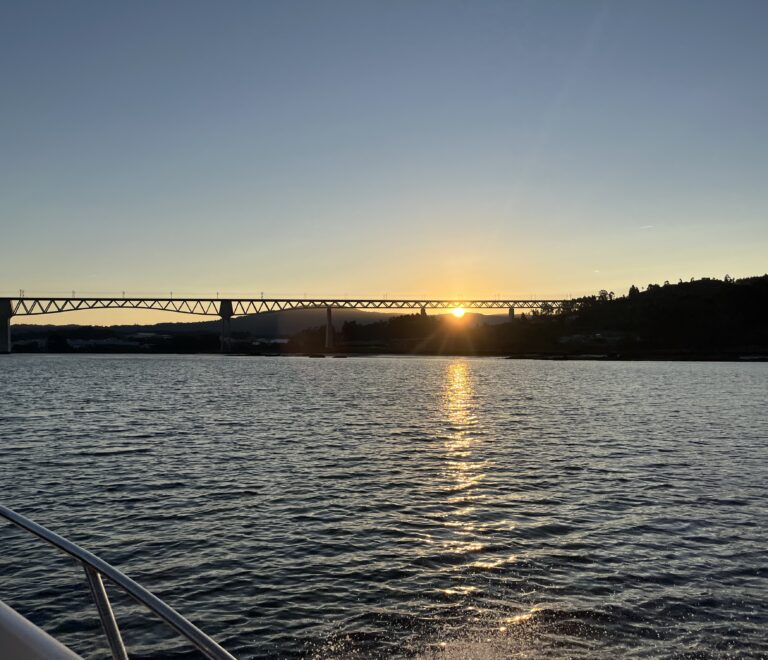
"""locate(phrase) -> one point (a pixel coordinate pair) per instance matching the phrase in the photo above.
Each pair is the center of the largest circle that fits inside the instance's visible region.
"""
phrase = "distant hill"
(286, 324)
(273, 325)
(270, 325)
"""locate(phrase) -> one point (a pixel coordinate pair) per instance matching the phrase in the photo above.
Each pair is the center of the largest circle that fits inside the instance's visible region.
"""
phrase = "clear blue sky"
(413, 148)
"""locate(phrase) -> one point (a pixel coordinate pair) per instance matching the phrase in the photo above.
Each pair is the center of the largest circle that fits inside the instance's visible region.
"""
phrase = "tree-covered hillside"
(706, 317)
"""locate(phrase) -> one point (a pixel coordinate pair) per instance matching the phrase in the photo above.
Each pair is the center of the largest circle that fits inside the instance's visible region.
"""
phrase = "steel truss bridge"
(226, 308)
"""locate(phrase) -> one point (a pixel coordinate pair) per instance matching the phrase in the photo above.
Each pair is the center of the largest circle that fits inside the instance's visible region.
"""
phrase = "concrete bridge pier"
(511, 313)
(423, 311)
(225, 312)
(5, 325)
(328, 329)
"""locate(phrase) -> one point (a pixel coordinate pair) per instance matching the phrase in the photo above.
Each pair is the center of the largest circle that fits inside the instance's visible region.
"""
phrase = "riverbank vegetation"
(706, 318)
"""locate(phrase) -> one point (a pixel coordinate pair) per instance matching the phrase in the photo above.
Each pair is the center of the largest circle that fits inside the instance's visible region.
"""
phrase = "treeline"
(701, 318)
(100, 339)
(700, 315)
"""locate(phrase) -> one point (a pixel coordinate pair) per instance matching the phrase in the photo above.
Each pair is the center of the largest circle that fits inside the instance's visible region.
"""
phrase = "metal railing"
(94, 569)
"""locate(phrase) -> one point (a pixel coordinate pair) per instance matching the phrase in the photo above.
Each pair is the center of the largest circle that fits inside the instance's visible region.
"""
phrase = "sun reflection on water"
(458, 392)
(462, 470)
(468, 531)
(460, 443)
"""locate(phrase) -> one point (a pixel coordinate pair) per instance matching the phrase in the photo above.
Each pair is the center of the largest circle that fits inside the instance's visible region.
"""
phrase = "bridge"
(226, 308)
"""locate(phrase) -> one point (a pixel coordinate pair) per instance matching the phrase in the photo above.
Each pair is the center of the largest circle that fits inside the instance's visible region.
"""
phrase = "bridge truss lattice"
(242, 306)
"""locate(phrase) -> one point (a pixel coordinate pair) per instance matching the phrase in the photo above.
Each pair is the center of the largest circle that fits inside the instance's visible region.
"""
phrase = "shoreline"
(746, 357)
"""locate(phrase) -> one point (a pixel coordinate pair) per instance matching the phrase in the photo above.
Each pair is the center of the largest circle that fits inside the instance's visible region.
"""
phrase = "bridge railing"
(95, 568)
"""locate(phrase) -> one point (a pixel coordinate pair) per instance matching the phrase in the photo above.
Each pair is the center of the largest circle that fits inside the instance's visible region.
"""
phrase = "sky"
(362, 149)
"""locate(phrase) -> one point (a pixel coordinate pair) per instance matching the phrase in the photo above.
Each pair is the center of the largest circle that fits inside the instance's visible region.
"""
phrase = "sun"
(458, 312)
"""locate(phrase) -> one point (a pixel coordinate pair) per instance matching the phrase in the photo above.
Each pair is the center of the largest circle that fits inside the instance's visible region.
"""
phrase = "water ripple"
(395, 507)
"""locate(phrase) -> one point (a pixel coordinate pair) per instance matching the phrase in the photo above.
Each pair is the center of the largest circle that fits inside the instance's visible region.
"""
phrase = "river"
(394, 506)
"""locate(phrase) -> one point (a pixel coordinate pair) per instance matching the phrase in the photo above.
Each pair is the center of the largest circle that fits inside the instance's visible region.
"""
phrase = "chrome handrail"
(94, 569)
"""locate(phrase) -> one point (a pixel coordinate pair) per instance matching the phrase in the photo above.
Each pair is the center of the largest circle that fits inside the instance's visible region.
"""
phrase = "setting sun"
(458, 312)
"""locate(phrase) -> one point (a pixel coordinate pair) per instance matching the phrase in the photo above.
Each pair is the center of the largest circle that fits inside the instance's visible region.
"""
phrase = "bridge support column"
(5, 325)
(225, 312)
(511, 313)
(328, 329)
(423, 311)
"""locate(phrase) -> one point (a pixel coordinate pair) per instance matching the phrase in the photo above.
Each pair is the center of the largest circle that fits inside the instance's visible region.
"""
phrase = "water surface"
(395, 507)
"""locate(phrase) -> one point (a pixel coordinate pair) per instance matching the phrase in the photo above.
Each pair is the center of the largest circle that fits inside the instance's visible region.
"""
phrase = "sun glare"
(458, 312)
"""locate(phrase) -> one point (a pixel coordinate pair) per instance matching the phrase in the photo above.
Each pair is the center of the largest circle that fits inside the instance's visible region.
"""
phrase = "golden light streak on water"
(463, 472)
(521, 618)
